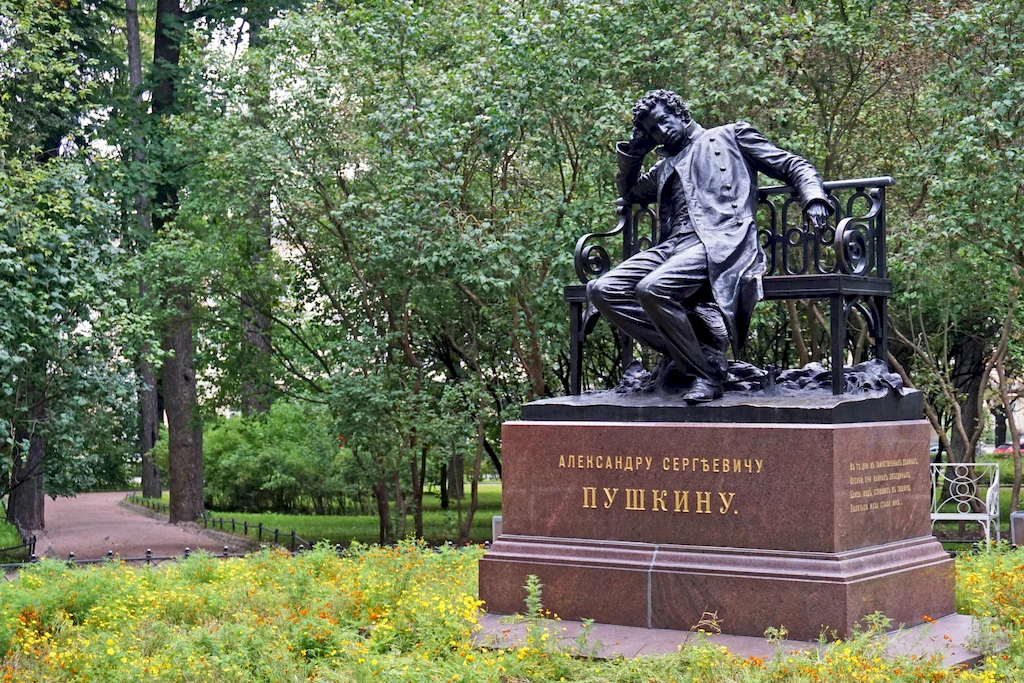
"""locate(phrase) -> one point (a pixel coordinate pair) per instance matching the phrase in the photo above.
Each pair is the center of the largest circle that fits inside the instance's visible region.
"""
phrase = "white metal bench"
(966, 492)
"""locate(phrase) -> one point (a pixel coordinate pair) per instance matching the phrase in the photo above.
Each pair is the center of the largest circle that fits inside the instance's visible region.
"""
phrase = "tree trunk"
(968, 368)
(380, 495)
(456, 476)
(149, 412)
(256, 388)
(419, 472)
(495, 460)
(1007, 406)
(166, 54)
(443, 486)
(1000, 427)
(184, 424)
(401, 506)
(184, 427)
(797, 333)
(812, 333)
(467, 526)
(26, 499)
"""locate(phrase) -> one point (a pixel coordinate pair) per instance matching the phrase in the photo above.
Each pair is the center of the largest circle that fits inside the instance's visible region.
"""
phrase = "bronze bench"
(844, 264)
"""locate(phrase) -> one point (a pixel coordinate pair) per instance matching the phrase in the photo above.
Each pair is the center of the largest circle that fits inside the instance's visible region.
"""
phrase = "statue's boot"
(703, 390)
(708, 389)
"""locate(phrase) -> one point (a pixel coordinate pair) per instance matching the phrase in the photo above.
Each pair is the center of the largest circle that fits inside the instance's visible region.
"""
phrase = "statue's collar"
(693, 131)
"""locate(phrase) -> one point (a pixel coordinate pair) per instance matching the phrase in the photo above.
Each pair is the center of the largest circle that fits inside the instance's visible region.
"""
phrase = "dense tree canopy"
(370, 206)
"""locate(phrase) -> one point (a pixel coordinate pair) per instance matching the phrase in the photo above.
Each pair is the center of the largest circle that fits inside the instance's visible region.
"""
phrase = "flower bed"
(397, 614)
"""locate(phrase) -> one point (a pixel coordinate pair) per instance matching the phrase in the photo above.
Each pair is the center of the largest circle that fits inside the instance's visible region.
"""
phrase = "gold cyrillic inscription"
(668, 464)
(875, 483)
(635, 499)
(590, 496)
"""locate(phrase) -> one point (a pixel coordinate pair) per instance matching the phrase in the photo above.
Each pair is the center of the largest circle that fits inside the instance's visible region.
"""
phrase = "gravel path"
(90, 524)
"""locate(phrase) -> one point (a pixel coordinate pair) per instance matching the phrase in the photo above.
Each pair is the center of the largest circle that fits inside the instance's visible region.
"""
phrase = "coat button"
(717, 152)
(734, 205)
(721, 168)
(728, 187)
(712, 139)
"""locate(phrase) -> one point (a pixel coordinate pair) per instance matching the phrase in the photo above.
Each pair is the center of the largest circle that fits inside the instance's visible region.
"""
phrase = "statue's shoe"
(702, 391)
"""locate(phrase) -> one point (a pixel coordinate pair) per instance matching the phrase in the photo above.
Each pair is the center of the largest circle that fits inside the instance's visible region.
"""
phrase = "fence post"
(232, 525)
(275, 537)
(261, 532)
(245, 528)
(292, 544)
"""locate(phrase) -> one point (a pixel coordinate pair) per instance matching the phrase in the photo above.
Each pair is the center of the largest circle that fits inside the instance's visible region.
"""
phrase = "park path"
(90, 524)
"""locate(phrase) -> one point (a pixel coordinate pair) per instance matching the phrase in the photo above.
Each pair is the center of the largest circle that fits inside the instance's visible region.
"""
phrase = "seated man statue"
(690, 296)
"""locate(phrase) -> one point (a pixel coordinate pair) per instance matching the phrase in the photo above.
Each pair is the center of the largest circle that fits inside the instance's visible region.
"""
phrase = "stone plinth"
(806, 526)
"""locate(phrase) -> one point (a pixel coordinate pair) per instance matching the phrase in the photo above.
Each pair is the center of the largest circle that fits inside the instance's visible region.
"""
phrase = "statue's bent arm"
(773, 161)
(634, 187)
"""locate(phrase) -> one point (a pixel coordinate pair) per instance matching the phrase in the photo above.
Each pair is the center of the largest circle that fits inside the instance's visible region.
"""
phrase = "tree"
(959, 261)
(64, 315)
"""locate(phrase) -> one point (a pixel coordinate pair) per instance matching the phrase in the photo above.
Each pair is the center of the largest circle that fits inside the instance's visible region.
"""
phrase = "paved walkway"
(90, 524)
(948, 636)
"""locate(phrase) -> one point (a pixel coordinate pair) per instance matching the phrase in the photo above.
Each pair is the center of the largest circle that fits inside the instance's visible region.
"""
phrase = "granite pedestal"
(808, 525)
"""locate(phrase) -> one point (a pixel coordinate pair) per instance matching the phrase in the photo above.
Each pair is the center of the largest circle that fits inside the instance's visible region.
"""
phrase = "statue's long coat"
(718, 173)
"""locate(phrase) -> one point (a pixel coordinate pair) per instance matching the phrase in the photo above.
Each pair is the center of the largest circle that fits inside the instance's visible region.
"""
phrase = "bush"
(289, 460)
(10, 537)
(404, 613)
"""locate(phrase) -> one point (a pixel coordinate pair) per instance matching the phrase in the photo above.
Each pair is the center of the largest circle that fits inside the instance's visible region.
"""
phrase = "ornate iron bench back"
(845, 262)
(852, 244)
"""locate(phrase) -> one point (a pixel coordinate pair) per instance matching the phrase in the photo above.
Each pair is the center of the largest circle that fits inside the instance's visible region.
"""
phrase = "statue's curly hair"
(672, 102)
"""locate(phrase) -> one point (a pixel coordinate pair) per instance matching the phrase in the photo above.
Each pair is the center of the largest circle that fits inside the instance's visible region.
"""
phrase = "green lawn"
(438, 525)
(9, 537)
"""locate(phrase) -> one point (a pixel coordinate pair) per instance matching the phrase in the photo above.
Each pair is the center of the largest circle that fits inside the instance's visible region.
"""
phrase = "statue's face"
(665, 127)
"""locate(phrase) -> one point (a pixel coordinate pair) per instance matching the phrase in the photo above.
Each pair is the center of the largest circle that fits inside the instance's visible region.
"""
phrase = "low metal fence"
(150, 560)
(28, 541)
(261, 532)
(30, 545)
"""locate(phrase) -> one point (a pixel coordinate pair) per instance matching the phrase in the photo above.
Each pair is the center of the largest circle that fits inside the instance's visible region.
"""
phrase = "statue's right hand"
(640, 143)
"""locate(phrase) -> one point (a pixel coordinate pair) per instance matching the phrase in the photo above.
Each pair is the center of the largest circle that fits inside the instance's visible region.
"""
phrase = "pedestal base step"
(947, 636)
(661, 586)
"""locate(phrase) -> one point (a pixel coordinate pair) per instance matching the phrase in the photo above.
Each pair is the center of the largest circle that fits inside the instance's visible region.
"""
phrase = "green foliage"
(287, 460)
(386, 195)
(439, 526)
(10, 537)
(406, 613)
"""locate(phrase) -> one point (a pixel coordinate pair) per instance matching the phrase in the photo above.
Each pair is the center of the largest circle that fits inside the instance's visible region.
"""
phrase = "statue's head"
(662, 115)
